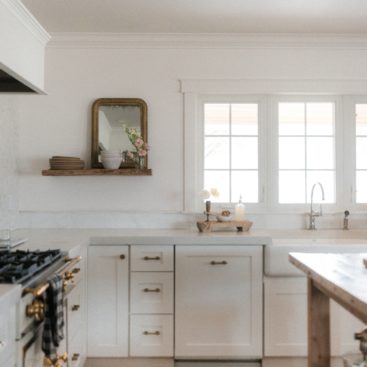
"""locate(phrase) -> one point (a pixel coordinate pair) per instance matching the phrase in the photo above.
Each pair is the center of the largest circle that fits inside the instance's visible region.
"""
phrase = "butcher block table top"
(341, 277)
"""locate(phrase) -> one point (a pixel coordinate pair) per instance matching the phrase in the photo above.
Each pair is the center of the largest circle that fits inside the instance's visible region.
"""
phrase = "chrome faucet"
(314, 213)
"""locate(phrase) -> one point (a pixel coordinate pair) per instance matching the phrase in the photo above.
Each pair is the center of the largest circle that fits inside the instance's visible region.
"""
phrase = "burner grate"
(19, 266)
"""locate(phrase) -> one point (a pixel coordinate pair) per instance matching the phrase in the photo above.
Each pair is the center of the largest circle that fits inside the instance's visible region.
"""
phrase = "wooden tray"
(212, 225)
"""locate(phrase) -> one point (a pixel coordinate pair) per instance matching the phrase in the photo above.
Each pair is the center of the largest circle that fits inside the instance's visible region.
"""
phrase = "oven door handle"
(69, 263)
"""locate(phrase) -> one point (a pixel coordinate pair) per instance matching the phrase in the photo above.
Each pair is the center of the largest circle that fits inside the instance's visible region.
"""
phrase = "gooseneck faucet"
(314, 213)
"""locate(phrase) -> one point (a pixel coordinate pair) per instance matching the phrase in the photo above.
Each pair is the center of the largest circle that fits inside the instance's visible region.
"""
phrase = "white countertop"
(277, 242)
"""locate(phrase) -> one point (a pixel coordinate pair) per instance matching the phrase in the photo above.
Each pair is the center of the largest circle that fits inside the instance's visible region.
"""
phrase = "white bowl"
(111, 163)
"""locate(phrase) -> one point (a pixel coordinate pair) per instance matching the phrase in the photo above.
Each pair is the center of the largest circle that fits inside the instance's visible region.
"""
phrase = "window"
(231, 154)
(306, 148)
(361, 153)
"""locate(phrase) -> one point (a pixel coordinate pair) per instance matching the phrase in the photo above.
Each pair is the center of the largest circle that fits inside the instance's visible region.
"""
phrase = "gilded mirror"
(110, 119)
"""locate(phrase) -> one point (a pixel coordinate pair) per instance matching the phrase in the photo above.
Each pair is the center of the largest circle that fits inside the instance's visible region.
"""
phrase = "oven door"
(30, 352)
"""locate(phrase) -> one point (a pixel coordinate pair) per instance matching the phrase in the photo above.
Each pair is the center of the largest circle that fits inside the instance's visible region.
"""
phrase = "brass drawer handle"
(122, 257)
(75, 357)
(156, 290)
(75, 307)
(152, 333)
(148, 258)
(218, 262)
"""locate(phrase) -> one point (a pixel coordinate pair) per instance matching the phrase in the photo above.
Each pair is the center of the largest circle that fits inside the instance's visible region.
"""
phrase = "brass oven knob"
(36, 310)
(69, 275)
(61, 360)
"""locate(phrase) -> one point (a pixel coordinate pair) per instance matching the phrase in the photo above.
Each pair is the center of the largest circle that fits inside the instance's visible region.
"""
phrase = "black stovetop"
(19, 266)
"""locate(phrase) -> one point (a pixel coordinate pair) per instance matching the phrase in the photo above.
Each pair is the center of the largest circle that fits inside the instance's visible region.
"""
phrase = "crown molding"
(286, 86)
(27, 19)
(209, 41)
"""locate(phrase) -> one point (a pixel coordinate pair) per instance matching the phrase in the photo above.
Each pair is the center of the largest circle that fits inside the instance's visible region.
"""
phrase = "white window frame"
(194, 149)
(274, 157)
(350, 166)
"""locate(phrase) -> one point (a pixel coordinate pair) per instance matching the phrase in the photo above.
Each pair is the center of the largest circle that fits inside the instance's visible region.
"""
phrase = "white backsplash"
(8, 164)
(170, 220)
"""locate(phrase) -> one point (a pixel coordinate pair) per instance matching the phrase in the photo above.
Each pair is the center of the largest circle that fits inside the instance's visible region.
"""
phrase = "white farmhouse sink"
(276, 255)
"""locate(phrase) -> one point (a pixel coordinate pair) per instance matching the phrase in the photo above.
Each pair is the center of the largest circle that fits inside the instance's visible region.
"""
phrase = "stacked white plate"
(111, 159)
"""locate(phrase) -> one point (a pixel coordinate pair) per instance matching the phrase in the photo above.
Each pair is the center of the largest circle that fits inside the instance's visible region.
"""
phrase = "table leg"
(318, 327)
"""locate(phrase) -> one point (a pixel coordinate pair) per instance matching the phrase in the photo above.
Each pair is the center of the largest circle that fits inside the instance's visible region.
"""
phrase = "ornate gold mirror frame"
(103, 103)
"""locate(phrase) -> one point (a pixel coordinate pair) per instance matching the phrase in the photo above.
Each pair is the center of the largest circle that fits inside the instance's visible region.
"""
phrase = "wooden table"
(341, 277)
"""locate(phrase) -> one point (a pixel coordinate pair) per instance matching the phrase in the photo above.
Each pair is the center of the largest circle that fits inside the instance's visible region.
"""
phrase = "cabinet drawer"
(151, 258)
(74, 311)
(151, 293)
(151, 336)
(7, 332)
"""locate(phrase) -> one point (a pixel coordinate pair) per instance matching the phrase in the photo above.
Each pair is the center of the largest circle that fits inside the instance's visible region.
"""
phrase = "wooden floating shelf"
(97, 172)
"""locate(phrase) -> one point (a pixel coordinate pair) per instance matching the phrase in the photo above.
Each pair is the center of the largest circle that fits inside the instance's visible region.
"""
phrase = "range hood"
(9, 84)
(22, 49)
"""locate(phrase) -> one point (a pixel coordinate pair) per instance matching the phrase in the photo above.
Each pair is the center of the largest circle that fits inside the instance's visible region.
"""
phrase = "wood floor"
(155, 362)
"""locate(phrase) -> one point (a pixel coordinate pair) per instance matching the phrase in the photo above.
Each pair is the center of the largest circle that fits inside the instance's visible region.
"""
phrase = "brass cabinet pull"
(218, 262)
(75, 307)
(122, 257)
(75, 357)
(146, 290)
(148, 258)
(152, 333)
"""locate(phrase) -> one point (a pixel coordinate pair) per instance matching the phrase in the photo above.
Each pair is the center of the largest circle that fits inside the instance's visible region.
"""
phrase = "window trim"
(344, 101)
(350, 166)
(274, 174)
(194, 155)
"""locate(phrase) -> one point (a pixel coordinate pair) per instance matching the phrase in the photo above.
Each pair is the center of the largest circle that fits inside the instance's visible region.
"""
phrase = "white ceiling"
(202, 16)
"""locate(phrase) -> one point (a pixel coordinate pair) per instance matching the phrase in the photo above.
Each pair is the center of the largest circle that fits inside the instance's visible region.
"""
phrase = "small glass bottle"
(239, 211)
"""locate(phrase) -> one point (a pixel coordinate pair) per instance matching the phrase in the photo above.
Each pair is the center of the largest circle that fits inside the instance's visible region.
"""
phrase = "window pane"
(361, 185)
(216, 118)
(327, 180)
(244, 153)
(320, 118)
(216, 152)
(361, 146)
(291, 118)
(292, 187)
(291, 153)
(219, 180)
(361, 119)
(320, 153)
(245, 184)
(244, 119)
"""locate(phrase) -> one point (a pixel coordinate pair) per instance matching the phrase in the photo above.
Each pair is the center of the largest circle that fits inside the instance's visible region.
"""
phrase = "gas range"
(20, 267)
(32, 270)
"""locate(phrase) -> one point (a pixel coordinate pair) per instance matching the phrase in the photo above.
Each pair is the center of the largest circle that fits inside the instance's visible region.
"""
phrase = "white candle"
(239, 211)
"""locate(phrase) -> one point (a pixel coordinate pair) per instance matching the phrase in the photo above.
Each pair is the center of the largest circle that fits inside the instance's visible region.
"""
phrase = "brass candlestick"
(207, 209)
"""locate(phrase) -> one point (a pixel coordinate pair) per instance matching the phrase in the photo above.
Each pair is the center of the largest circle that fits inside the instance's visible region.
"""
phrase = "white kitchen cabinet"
(151, 293)
(151, 336)
(152, 258)
(108, 301)
(218, 302)
(286, 320)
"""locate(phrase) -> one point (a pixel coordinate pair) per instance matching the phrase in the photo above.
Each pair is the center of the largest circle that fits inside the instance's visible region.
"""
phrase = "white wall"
(60, 123)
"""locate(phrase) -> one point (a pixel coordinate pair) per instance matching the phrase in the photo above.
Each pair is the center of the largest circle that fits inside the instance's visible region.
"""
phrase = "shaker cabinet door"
(218, 302)
(108, 301)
